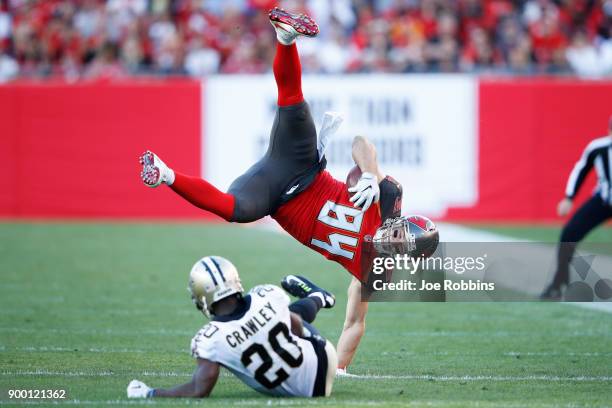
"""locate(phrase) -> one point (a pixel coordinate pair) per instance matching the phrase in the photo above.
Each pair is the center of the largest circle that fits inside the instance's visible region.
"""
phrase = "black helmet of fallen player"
(415, 235)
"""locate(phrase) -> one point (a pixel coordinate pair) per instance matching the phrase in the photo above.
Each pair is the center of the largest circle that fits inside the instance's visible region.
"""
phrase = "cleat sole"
(301, 23)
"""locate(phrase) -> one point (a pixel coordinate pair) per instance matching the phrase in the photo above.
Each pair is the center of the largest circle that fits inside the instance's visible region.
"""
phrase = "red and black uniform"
(290, 184)
(323, 219)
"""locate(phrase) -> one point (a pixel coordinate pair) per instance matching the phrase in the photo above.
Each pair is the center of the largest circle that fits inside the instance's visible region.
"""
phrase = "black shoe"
(301, 287)
(553, 292)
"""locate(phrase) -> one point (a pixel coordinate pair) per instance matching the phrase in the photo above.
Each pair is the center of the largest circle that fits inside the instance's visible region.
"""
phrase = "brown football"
(353, 176)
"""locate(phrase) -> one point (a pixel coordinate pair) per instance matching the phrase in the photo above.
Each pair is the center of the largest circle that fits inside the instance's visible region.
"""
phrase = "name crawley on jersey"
(250, 327)
(449, 285)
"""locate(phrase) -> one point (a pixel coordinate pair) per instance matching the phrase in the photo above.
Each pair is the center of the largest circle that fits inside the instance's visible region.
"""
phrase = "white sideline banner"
(424, 128)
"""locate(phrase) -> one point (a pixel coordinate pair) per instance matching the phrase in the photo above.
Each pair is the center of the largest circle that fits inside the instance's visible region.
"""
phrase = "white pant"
(332, 365)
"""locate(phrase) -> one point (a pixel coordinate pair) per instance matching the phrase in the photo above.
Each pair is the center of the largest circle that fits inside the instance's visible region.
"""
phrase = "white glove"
(366, 191)
(330, 124)
(138, 389)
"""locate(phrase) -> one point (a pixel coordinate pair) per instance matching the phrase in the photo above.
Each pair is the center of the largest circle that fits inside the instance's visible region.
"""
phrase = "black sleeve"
(580, 171)
(390, 198)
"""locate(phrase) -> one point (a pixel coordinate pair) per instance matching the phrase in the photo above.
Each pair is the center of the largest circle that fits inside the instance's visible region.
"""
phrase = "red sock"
(204, 195)
(288, 74)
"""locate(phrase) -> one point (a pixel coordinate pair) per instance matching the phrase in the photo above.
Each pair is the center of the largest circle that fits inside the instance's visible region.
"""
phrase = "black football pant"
(307, 308)
(288, 167)
(592, 213)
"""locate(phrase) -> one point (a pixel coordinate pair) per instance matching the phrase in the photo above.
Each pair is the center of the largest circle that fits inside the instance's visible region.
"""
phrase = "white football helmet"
(211, 279)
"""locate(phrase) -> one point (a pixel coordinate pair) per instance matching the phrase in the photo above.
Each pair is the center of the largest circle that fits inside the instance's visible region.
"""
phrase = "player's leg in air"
(291, 161)
(309, 293)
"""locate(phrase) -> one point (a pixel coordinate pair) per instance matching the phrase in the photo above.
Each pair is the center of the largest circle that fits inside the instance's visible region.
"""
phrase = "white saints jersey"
(258, 347)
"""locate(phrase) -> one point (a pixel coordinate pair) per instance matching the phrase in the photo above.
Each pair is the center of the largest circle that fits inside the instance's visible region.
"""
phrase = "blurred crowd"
(87, 39)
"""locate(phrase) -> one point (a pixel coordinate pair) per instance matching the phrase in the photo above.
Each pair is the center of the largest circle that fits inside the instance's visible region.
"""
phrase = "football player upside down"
(290, 184)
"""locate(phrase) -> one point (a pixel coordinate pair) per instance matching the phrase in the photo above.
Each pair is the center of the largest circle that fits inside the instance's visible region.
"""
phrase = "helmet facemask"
(394, 237)
(415, 236)
(200, 304)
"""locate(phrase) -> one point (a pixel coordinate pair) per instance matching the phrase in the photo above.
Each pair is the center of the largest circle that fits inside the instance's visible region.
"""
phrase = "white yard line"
(553, 353)
(501, 334)
(45, 373)
(600, 306)
(433, 333)
(98, 332)
(291, 402)
(503, 353)
(85, 402)
(514, 353)
(235, 402)
(104, 373)
(298, 402)
(543, 378)
(54, 349)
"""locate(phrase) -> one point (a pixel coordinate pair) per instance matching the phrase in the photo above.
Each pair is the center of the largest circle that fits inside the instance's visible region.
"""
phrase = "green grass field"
(543, 233)
(88, 307)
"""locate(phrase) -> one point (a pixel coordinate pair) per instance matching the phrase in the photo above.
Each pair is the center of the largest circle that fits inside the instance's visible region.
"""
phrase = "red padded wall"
(531, 133)
(71, 150)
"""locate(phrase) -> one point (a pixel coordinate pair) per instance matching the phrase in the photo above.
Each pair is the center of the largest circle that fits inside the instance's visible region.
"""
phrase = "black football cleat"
(554, 292)
(301, 287)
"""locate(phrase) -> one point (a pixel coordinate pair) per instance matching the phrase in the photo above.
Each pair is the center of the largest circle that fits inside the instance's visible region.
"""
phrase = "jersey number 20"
(267, 363)
(343, 218)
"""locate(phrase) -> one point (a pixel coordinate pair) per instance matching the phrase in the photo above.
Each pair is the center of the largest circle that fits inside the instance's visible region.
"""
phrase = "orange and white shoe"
(154, 171)
(289, 26)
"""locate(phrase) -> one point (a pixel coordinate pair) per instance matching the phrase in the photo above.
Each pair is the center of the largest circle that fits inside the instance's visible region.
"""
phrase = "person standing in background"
(592, 213)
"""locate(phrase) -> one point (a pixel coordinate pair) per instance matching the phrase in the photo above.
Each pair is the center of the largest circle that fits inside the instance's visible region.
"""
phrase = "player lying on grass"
(290, 184)
(266, 342)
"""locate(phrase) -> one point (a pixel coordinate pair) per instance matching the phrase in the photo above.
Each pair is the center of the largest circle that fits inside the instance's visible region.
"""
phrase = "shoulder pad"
(203, 343)
(263, 290)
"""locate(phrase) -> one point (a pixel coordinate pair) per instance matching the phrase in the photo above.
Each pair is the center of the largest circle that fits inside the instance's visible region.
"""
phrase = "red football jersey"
(322, 218)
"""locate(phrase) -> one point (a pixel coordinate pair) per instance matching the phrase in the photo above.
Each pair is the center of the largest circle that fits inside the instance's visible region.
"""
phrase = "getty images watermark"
(459, 265)
(499, 271)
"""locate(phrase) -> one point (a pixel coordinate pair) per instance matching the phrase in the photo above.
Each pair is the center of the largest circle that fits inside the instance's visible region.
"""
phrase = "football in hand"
(353, 176)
